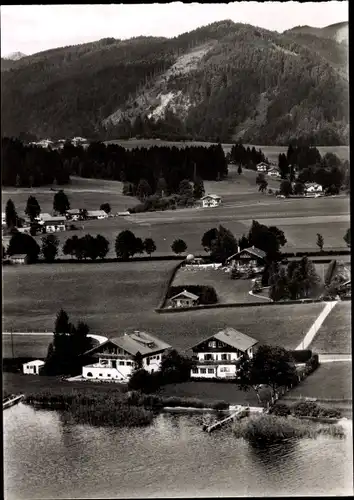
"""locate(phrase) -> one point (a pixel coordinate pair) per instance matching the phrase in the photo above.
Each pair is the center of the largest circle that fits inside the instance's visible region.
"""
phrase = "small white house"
(96, 214)
(115, 358)
(73, 214)
(313, 187)
(19, 258)
(262, 167)
(211, 200)
(184, 299)
(33, 367)
(219, 355)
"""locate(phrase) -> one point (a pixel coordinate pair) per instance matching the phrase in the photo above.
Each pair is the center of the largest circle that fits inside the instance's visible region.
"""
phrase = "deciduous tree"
(106, 207)
(61, 202)
(125, 244)
(149, 246)
(32, 208)
(208, 238)
(25, 244)
(50, 244)
(179, 246)
(286, 188)
(320, 241)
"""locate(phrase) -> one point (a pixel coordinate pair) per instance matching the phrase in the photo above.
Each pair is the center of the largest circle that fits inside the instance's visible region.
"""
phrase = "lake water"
(46, 458)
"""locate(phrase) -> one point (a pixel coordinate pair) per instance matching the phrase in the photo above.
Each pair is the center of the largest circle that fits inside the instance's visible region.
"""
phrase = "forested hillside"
(221, 82)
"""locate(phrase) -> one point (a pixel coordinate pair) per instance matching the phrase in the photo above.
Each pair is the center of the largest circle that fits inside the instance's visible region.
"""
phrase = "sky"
(34, 28)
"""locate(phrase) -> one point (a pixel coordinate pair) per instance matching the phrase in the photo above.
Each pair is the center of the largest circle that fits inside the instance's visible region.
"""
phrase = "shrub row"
(305, 409)
(316, 253)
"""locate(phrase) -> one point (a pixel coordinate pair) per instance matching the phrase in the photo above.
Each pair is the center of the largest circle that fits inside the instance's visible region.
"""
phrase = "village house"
(96, 214)
(211, 200)
(184, 299)
(3, 219)
(219, 355)
(274, 172)
(19, 258)
(262, 167)
(73, 214)
(251, 258)
(313, 187)
(115, 358)
(52, 223)
(33, 367)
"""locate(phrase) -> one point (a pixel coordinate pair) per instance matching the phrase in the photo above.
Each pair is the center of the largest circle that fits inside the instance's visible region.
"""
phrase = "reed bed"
(270, 428)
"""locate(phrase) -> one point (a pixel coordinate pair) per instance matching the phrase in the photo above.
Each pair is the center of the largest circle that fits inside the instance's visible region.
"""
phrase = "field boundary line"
(310, 335)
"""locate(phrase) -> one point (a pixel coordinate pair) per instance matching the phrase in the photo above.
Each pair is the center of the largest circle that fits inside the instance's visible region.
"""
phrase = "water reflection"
(45, 457)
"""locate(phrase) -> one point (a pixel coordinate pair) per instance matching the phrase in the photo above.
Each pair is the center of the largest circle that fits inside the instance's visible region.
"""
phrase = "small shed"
(96, 214)
(184, 299)
(33, 367)
(19, 258)
(211, 200)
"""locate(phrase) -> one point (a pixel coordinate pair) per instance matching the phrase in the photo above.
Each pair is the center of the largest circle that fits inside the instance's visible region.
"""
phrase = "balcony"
(214, 362)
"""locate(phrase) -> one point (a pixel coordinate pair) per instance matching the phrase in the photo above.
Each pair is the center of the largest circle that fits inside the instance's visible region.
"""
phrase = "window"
(226, 369)
(100, 375)
(88, 374)
(108, 374)
(195, 370)
(203, 370)
(121, 363)
(224, 357)
(212, 343)
(210, 370)
(129, 363)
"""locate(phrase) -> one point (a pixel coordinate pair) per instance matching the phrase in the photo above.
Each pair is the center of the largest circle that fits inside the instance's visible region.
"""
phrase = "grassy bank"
(269, 428)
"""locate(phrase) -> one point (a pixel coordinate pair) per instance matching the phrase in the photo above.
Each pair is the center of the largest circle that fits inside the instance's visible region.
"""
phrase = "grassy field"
(329, 381)
(334, 336)
(115, 297)
(210, 391)
(300, 219)
(228, 290)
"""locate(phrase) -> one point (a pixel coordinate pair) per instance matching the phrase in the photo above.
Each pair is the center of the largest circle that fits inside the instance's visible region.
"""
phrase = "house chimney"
(238, 249)
(253, 247)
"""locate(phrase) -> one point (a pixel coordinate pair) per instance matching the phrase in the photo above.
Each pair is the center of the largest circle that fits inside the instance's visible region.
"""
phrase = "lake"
(46, 458)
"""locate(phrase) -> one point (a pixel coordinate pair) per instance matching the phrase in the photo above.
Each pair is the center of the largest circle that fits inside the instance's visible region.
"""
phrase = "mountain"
(221, 82)
(338, 32)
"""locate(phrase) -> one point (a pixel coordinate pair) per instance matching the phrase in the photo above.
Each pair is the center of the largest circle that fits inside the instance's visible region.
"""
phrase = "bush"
(281, 410)
(306, 409)
(142, 380)
(301, 356)
(220, 405)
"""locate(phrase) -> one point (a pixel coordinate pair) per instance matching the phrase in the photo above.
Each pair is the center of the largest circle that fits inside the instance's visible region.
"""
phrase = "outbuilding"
(211, 200)
(184, 299)
(96, 214)
(19, 258)
(33, 367)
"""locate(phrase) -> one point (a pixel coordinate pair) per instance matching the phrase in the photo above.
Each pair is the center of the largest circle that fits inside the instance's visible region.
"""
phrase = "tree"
(125, 244)
(198, 189)
(320, 241)
(10, 214)
(299, 188)
(102, 245)
(243, 242)
(138, 361)
(279, 287)
(271, 366)
(224, 245)
(268, 239)
(32, 208)
(142, 380)
(175, 367)
(286, 188)
(106, 207)
(283, 166)
(149, 246)
(239, 170)
(305, 274)
(61, 202)
(185, 189)
(346, 237)
(50, 244)
(161, 187)
(89, 247)
(143, 190)
(25, 244)
(62, 324)
(139, 246)
(208, 238)
(179, 246)
(261, 182)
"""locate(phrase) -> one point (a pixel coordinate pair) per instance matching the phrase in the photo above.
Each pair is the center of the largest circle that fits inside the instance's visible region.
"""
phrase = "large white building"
(219, 355)
(115, 358)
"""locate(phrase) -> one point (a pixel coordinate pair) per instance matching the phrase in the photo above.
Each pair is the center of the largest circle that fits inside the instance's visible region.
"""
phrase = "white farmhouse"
(219, 355)
(274, 172)
(96, 214)
(211, 200)
(33, 367)
(184, 299)
(313, 187)
(52, 223)
(115, 358)
(262, 167)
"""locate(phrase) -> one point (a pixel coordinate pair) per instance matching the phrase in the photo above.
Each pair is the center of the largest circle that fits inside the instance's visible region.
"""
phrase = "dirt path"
(310, 335)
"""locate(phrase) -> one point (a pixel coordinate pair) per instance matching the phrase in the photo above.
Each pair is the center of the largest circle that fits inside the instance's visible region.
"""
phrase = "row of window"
(203, 370)
(211, 357)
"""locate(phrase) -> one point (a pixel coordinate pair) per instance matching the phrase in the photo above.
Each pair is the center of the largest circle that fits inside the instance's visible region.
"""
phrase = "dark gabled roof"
(187, 294)
(233, 338)
(253, 250)
(138, 341)
(18, 256)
